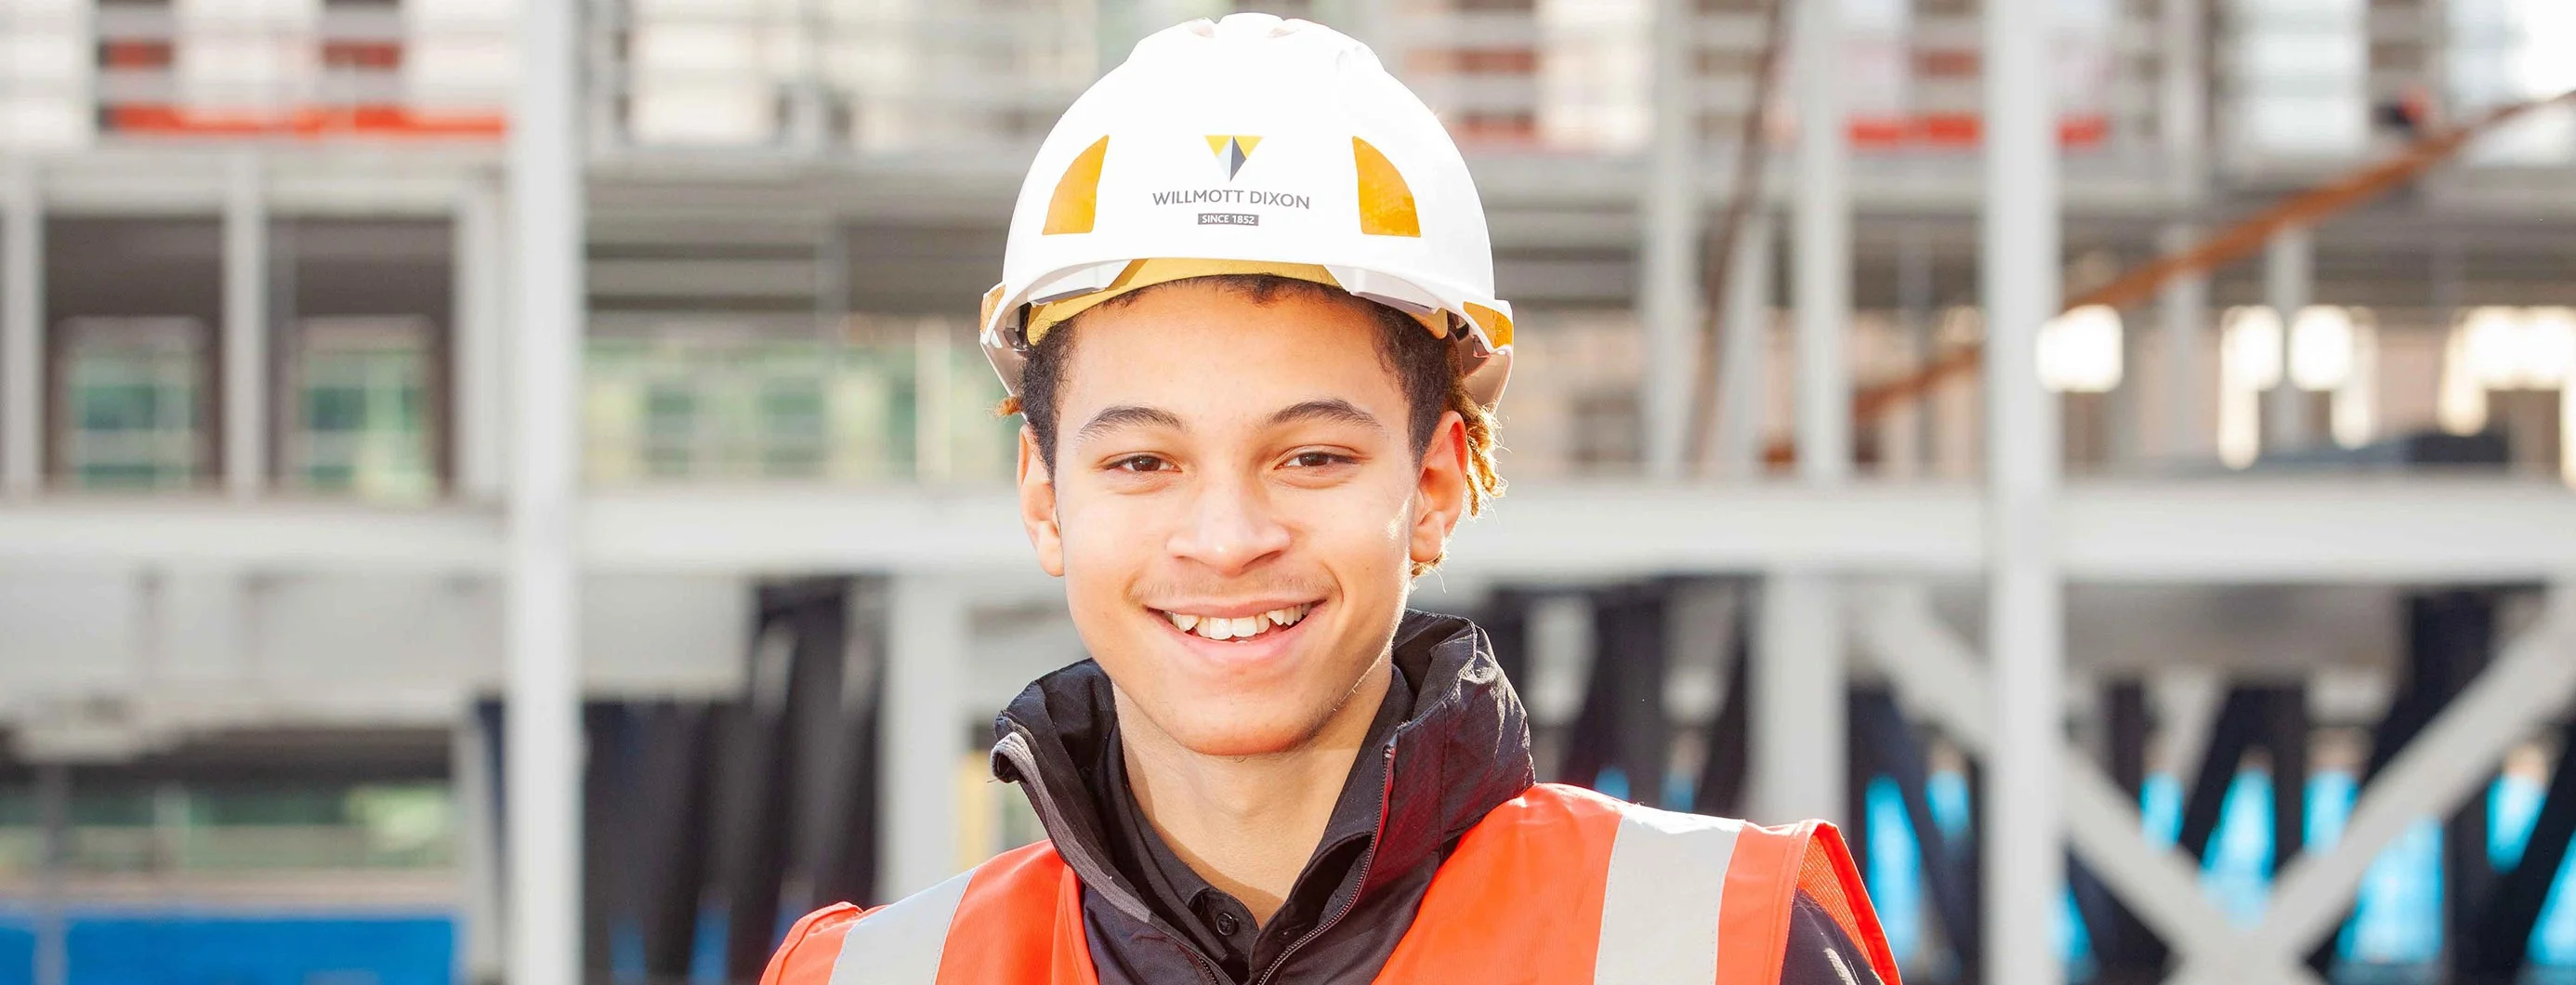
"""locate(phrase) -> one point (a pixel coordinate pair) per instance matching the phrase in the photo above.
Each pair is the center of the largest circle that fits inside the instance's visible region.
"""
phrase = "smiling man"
(1247, 313)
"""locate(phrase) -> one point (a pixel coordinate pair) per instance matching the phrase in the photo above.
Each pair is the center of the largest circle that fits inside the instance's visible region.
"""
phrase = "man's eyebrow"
(1127, 415)
(1327, 409)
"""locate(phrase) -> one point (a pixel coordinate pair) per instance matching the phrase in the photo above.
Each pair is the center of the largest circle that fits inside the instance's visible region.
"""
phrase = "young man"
(1247, 312)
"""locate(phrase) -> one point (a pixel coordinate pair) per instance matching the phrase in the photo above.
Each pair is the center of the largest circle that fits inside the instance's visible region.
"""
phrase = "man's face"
(1235, 507)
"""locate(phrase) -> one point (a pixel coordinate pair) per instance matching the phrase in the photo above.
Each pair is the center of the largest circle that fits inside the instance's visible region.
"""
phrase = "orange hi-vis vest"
(1556, 887)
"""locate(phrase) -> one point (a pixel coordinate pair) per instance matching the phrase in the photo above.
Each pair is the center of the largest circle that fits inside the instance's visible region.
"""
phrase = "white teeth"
(1237, 627)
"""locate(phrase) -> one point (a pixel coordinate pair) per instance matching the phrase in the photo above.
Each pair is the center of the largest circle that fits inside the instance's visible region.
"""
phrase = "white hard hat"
(1251, 145)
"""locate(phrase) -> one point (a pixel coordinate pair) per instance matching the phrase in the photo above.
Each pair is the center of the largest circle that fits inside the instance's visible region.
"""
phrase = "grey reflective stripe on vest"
(1659, 907)
(901, 944)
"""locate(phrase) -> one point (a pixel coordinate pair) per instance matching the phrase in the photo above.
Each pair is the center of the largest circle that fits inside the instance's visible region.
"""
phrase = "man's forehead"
(1225, 356)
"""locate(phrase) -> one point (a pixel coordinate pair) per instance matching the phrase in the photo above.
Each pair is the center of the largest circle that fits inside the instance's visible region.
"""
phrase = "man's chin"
(1235, 737)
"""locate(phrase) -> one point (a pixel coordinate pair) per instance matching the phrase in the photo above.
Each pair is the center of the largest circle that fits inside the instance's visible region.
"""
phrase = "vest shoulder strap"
(997, 922)
(1564, 885)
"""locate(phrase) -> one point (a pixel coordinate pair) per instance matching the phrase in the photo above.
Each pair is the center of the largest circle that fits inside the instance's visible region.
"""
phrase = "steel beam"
(2022, 806)
(22, 331)
(1941, 678)
(246, 331)
(1897, 751)
(540, 612)
(2450, 760)
(2500, 942)
(1668, 247)
(1822, 215)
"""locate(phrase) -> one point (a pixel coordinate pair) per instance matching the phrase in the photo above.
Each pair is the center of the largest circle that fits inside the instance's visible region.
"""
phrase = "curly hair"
(1426, 369)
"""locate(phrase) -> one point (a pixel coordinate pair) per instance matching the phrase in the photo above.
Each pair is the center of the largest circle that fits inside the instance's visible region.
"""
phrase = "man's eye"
(1140, 463)
(1316, 459)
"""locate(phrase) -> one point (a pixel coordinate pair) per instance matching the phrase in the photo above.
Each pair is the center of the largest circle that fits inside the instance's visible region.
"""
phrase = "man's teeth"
(1235, 628)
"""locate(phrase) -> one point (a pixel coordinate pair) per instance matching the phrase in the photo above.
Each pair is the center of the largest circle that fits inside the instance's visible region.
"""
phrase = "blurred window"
(2508, 51)
(126, 826)
(2299, 78)
(46, 80)
(134, 393)
(727, 402)
(357, 417)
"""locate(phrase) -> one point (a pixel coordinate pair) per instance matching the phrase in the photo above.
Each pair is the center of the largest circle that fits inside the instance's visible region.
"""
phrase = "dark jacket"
(1451, 742)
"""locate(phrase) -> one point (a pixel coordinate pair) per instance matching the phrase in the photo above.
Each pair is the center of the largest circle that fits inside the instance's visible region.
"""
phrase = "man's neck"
(1247, 824)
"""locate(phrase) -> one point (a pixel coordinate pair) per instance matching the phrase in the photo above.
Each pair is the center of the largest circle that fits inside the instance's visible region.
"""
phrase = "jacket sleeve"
(1820, 953)
(1833, 937)
(812, 945)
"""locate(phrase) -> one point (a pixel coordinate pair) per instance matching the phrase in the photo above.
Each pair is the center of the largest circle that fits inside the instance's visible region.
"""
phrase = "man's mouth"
(1229, 628)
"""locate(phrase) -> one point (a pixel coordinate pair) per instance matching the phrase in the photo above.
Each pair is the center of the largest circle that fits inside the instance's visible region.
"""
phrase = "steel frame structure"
(1821, 540)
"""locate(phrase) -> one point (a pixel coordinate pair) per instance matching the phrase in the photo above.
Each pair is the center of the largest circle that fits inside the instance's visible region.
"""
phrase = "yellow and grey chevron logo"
(1231, 150)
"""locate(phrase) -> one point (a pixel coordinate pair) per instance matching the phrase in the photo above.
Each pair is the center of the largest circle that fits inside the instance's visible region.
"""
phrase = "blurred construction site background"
(405, 403)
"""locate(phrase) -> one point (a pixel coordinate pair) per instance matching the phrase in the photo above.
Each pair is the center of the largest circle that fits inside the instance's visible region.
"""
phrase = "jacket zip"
(1386, 795)
(1016, 749)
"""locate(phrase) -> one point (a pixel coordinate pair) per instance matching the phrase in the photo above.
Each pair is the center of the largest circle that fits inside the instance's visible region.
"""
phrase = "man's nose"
(1229, 527)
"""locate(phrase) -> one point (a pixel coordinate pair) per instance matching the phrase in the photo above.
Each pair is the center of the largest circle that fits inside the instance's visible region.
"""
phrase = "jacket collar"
(1462, 749)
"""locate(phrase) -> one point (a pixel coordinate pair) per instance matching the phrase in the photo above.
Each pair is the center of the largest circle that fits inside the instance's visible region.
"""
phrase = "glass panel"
(132, 387)
(719, 402)
(356, 424)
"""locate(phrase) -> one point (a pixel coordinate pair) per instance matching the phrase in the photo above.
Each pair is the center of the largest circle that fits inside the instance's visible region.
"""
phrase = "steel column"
(924, 733)
(1799, 711)
(478, 415)
(2288, 275)
(543, 752)
(478, 851)
(1727, 755)
(1822, 278)
(1623, 723)
(2022, 811)
(848, 867)
(2501, 943)
(1744, 353)
(2183, 309)
(2182, 98)
(54, 821)
(1906, 433)
(246, 331)
(22, 332)
(678, 772)
(1668, 250)
(1885, 730)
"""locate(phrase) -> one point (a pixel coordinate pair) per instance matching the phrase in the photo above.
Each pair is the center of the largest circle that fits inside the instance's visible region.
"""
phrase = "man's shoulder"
(1025, 875)
(1033, 865)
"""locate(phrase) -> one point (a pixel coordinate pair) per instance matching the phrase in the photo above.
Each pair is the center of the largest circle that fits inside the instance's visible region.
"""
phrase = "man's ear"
(1037, 505)
(1440, 492)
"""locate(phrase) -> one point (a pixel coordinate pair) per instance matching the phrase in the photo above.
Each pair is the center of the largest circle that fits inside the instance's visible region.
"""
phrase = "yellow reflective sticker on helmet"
(1386, 202)
(1077, 195)
(1497, 325)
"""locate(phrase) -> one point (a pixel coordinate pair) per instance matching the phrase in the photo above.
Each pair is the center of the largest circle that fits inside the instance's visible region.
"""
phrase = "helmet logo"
(1231, 150)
